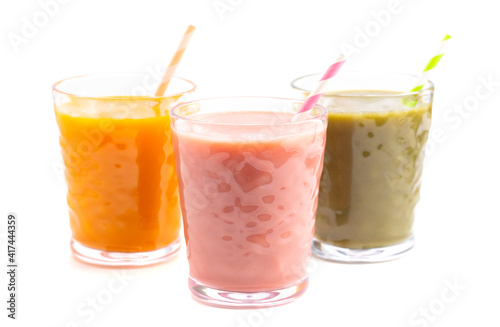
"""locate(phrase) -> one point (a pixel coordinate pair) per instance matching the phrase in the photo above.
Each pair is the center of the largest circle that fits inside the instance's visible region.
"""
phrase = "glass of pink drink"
(248, 181)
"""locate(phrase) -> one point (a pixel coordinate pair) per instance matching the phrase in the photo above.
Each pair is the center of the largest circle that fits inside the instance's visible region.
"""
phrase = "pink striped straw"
(318, 91)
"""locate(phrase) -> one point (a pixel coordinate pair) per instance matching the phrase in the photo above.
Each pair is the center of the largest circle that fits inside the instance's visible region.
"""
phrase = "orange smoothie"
(122, 187)
(249, 197)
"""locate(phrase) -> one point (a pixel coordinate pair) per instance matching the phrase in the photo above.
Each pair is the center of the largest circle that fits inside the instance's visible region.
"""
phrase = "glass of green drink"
(372, 165)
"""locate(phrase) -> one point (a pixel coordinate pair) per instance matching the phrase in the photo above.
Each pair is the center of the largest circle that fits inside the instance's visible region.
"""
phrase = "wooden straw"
(169, 73)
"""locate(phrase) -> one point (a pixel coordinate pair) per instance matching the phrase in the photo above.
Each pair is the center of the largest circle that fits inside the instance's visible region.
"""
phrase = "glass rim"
(429, 85)
(324, 111)
(56, 86)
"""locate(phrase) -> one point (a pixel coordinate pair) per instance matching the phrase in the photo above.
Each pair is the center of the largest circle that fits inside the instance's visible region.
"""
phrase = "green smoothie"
(372, 167)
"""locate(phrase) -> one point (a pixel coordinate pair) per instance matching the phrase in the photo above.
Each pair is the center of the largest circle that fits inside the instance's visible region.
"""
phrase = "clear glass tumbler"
(373, 164)
(248, 180)
(119, 165)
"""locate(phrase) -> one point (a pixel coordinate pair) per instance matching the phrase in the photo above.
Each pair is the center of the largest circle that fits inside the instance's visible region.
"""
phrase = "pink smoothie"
(248, 196)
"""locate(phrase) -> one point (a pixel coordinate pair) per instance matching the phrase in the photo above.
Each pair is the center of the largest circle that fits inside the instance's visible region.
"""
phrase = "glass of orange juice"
(122, 191)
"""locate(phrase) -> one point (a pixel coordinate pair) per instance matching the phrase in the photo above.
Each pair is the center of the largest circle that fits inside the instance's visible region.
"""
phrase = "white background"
(257, 48)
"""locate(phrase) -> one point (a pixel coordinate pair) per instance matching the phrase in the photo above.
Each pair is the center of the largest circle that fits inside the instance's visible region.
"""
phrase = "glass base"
(123, 259)
(246, 300)
(338, 254)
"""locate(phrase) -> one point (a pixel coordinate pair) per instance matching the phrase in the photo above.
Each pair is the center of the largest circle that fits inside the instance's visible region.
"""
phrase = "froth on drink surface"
(251, 126)
(119, 107)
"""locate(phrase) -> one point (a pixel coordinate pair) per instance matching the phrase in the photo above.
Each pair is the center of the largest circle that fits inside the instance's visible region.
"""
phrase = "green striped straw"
(424, 77)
